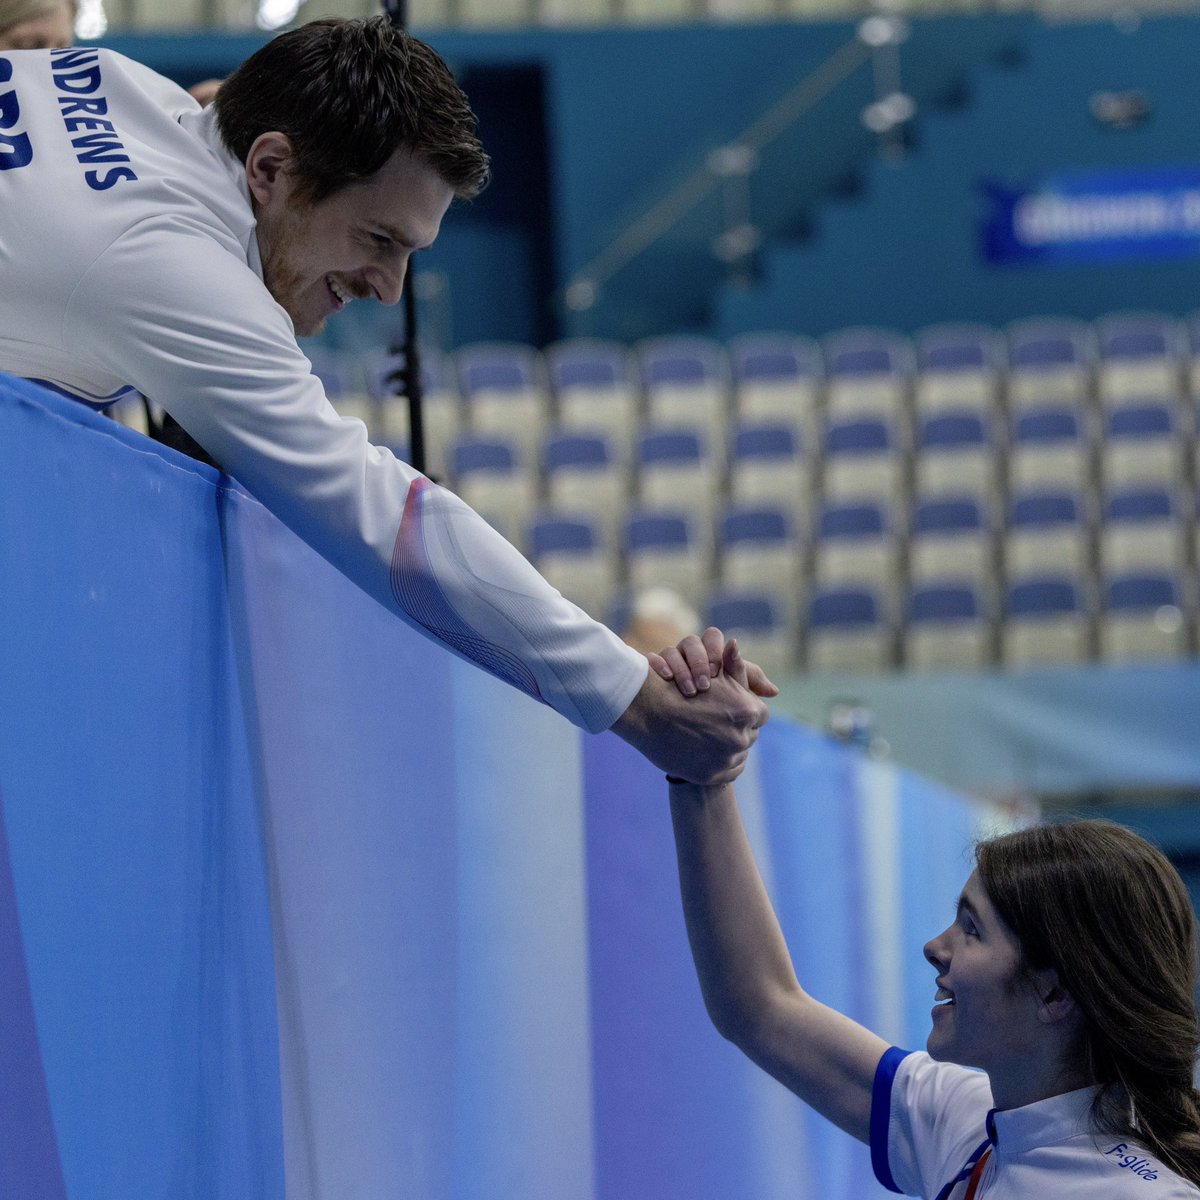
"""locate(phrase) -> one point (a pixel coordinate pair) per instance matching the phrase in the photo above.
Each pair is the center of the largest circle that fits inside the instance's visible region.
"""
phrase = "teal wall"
(590, 127)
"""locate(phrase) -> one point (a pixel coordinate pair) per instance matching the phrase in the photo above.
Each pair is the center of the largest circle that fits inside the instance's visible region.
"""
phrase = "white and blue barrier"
(293, 904)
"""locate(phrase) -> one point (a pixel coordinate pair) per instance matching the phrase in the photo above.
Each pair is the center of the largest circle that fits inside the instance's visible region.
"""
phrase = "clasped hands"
(700, 709)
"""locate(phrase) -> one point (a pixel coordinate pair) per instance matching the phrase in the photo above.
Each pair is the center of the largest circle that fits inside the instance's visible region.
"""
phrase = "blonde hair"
(16, 12)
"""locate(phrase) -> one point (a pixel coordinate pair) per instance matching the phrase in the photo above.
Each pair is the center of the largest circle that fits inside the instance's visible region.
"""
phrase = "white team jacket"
(128, 259)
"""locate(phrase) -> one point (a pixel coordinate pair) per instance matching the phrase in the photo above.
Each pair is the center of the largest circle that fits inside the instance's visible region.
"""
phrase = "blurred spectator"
(659, 617)
(46, 24)
(36, 24)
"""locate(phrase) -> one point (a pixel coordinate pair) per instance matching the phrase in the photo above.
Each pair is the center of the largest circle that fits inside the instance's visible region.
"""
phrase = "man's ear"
(1055, 1002)
(267, 167)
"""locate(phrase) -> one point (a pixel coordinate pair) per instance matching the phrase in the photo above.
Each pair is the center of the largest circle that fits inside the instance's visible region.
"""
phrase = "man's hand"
(703, 738)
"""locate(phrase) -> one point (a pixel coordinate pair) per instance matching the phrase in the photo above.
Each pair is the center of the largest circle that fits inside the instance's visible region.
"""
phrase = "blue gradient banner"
(301, 907)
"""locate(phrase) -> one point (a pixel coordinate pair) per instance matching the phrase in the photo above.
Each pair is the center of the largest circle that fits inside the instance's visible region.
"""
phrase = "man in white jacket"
(147, 244)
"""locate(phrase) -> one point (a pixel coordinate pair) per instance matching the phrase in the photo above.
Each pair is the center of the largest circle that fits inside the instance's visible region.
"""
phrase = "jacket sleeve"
(194, 329)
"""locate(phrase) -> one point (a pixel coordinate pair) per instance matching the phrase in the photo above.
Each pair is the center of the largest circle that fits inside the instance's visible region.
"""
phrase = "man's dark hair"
(348, 94)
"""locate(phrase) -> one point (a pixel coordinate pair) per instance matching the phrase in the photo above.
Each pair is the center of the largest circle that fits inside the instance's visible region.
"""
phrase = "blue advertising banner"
(1118, 215)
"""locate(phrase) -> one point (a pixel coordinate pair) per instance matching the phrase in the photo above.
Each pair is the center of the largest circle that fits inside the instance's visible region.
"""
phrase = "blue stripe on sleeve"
(881, 1109)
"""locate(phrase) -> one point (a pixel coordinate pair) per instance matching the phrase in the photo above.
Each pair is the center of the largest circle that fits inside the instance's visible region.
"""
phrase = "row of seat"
(870, 410)
(858, 461)
(1040, 621)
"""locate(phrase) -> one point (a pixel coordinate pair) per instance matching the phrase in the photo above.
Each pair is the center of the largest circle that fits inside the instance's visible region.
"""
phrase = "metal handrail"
(737, 158)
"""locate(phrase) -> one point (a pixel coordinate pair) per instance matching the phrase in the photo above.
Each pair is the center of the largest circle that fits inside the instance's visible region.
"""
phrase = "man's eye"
(381, 239)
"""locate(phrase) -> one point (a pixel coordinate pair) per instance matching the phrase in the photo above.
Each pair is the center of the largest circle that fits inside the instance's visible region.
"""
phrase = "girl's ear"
(1056, 1003)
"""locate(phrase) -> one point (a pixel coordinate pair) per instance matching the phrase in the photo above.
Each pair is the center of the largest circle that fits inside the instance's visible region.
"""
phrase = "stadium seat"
(759, 548)
(1049, 448)
(505, 393)
(675, 470)
(867, 372)
(777, 380)
(1045, 622)
(951, 540)
(1142, 446)
(1142, 618)
(856, 544)
(955, 455)
(848, 630)
(490, 475)
(1048, 533)
(441, 417)
(763, 633)
(1142, 529)
(583, 478)
(663, 550)
(862, 460)
(767, 466)
(686, 385)
(574, 556)
(596, 390)
(948, 627)
(1193, 356)
(958, 368)
(1050, 362)
(1140, 355)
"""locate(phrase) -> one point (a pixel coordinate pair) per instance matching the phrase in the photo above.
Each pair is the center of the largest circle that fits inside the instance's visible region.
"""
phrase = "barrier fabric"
(296, 906)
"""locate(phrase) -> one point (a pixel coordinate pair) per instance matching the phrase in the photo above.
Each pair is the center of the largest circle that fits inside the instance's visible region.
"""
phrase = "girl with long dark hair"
(1067, 978)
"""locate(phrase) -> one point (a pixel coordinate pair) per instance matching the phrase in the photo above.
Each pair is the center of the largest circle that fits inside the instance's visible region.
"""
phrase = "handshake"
(699, 711)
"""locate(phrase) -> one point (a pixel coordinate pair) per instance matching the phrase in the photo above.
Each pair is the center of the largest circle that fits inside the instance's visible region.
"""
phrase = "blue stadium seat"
(596, 389)
(1142, 446)
(441, 415)
(686, 384)
(856, 544)
(862, 460)
(848, 629)
(867, 371)
(753, 617)
(948, 627)
(1046, 622)
(675, 469)
(777, 379)
(663, 550)
(1142, 529)
(505, 393)
(759, 548)
(955, 455)
(1048, 533)
(951, 539)
(767, 465)
(1142, 618)
(1050, 362)
(491, 476)
(958, 367)
(1049, 448)
(575, 557)
(1140, 355)
(582, 476)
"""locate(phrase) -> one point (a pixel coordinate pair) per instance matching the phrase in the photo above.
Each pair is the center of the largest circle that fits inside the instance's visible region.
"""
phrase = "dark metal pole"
(407, 377)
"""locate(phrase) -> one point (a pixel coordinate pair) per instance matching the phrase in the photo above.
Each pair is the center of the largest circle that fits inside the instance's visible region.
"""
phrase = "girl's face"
(986, 1010)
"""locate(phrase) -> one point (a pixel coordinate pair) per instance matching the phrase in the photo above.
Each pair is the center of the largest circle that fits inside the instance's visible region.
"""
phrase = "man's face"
(53, 28)
(352, 245)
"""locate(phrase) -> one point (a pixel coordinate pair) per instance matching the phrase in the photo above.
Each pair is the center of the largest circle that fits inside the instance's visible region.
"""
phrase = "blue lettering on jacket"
(76, 75)
(16, 150)
(1147, 1168)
